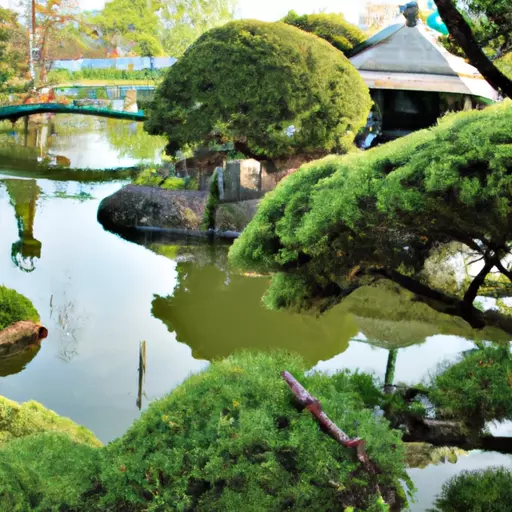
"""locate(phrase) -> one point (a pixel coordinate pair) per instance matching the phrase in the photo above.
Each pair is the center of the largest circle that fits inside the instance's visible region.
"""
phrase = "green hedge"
(272, 89)
(152, 178)
(14, 307)
(485, 490)
(334, 28)
(56, 76)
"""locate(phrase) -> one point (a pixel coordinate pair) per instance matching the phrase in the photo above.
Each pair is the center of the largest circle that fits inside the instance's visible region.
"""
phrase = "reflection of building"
(413, 80)
(24, 194)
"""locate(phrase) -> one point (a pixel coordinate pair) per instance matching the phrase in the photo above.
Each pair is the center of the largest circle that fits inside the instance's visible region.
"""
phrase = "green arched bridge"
(14, 112)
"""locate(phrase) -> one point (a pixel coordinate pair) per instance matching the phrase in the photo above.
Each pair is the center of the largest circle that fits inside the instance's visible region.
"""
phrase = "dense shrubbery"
(21, 420)
(15, 307)
(56, 76)
(342, 222)
(152, 178)
(48, 472)
(477, 389)
(334, 28)
(486, 490)
(273, 90)
(229, 438)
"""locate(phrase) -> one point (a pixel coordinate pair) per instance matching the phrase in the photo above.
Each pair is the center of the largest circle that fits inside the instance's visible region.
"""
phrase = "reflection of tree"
(132, 141)
(217, 314)
(24, 195)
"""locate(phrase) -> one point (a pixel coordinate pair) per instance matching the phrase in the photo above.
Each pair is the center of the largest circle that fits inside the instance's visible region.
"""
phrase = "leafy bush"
(476, 389)
(231, 438)
(58, 76)
(47, 472)
(21, 420)
(485, 490)
(343, 222)
(14, 307)
(334, 28)
(271, 89)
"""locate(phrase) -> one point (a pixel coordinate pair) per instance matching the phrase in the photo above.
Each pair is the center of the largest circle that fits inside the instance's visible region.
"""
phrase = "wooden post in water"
(142, 372)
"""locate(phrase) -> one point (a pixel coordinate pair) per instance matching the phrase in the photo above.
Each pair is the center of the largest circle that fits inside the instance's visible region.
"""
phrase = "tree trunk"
(477, 282)
(461, 32)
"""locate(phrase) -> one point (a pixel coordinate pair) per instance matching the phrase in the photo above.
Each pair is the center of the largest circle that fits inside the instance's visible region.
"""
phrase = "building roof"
(411, 58)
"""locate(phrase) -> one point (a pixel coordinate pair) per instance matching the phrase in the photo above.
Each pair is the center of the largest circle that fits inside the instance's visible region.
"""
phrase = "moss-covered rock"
(15, 307)
(421, 455)
(21, 420)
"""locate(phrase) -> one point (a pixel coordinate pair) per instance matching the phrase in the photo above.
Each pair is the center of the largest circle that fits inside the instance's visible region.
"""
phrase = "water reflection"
(216, 312)
(74, 141)
(23, 195)
(18, 362)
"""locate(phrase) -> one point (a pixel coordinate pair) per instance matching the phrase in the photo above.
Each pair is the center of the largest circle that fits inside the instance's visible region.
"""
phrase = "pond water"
(101, 295)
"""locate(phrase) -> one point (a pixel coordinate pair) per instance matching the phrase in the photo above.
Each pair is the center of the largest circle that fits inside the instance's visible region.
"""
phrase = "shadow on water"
(17, 363)
(217, 312)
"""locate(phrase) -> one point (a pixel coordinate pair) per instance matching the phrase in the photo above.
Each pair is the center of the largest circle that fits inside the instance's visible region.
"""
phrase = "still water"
(101, 295)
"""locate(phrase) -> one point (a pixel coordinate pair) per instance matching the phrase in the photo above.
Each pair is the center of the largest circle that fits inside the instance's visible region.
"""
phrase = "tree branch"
(460, 30)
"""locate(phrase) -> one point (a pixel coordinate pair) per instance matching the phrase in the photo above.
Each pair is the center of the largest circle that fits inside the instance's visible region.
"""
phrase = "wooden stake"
(142, 372)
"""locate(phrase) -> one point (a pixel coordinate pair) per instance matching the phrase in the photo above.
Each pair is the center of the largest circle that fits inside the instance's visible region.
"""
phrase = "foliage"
(13, 43)
(153, 178)
(270, 88)
(342, 222)
(186, 20)
(147, 46)
(47, 472)
(116, 74)
(476, 389)
(15, 307)
(334, 28)
(231, 438)
(21, 420)
(484, 490)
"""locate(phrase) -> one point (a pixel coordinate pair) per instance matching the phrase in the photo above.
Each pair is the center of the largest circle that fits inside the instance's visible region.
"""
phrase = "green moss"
(231, 438)
(153, 178)
(14, 307)
(485, 490)
(21, 420)
(47, 472)
(269, 88)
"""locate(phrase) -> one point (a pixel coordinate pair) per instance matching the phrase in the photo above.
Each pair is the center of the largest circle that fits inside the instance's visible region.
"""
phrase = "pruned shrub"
(485, 490)
(48, 472)
(15, 307)
(232, 438)
(270, 88)
(334, 28)
(477, 389)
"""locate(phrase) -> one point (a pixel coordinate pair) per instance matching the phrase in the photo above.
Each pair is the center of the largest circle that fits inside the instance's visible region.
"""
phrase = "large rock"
(135, 206)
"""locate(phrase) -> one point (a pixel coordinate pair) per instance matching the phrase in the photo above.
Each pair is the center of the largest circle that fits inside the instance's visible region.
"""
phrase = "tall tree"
(496, 15)
(13, 47)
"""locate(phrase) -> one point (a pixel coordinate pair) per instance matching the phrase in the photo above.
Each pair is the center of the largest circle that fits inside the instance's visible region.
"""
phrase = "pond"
(101, 295)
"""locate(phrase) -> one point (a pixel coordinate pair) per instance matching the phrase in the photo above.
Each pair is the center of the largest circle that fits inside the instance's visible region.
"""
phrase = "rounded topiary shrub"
(15, 307)
(270, 88)
(232, 438)
(477, 389)
(48, 472)
(332, 27)
(486, 490)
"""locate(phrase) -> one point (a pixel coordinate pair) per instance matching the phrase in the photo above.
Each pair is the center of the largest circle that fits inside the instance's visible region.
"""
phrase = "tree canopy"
(342, 222)
(271, 89)
(13, 45)
(334, 28)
